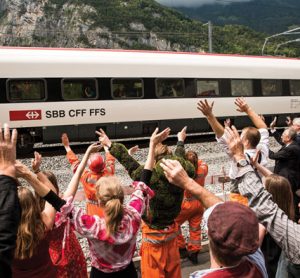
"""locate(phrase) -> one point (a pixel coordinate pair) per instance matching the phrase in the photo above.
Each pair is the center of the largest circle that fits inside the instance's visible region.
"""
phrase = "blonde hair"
(111, 196)
(31, 228)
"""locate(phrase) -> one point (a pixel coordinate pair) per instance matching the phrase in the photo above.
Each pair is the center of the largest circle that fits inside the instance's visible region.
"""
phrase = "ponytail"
(110, 193)
(114, 214)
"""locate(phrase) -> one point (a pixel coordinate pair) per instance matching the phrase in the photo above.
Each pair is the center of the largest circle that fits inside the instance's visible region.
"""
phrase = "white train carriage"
(46, 91)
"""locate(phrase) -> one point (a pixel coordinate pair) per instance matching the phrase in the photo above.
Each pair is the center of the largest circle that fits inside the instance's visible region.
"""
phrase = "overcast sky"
(196, 3)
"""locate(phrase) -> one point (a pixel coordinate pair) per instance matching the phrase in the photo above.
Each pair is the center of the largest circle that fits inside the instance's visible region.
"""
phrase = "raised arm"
(42, 188)
(8, 151)
(283, 230)
(65, 141)
(260, 168)
(254, 117)
(73, 185)
(35, 165)
(181, 136)
(177, 175)
(155, 139)
(119, 151)
(9, 205)
(207, 111)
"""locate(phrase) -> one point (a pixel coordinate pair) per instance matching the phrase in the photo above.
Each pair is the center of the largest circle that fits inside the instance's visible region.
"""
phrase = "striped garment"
(113, 253)
(284, 231)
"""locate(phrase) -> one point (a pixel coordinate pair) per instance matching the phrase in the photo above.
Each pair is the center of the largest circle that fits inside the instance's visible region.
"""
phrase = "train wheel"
(25, 143)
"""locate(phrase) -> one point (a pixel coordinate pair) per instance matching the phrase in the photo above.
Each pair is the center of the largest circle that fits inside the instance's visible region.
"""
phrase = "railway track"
(50, 150)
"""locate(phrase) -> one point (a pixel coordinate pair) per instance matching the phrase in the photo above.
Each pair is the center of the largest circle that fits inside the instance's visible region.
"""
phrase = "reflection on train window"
(127, 88)
(74, 89)
(169, 88)
(207, 88)
(271, 87)
(26, 89)
(295, 87)
(241, 87)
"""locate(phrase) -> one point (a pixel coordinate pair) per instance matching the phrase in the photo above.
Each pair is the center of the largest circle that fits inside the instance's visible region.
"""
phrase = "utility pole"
(209, 24)
(209, 37)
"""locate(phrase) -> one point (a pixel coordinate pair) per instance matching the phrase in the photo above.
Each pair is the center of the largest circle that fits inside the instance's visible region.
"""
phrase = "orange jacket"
(89, 179)
(201, 174)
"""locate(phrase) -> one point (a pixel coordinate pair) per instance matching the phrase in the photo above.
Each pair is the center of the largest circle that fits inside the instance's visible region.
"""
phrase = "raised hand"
(273, 123)
(205, 107)
(8, 151)
(227, 122)
(65, 140)
(159, 137)
(36, 162)
(174, 172)
(254, 159)
(95, 147)
(289, 121)
(21, 169)
(133, 150)
(103, 138)
(262, 117)
(181, 135)
(241, 104)
(234, 143)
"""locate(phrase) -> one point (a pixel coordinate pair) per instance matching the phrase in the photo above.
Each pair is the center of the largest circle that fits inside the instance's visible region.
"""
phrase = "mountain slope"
(270, 16)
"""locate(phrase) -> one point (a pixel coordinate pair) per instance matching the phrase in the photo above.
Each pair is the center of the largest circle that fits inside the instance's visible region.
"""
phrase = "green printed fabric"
(166, 204)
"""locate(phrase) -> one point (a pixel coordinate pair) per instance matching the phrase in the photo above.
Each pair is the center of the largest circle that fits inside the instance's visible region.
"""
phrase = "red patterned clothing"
(113, 253)
(89, 179)
(66, 253)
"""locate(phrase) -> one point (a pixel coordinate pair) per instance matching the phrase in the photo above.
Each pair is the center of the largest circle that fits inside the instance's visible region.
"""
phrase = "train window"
(271, 87)
(295, 87)
(127, 88)
(207, 88)
(241, 87)
(74, 89)
(26, 89)
(169, 88)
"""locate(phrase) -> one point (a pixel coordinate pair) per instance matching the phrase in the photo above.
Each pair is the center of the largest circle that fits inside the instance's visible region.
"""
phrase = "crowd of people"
(255, 234)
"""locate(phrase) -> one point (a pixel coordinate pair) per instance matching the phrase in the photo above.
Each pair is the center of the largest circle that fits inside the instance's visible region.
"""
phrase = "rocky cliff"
(75, 24)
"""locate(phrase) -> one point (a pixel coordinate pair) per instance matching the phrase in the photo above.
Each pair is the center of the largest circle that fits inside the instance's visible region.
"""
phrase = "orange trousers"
(191, 211)
(236, 197)
(159, 253)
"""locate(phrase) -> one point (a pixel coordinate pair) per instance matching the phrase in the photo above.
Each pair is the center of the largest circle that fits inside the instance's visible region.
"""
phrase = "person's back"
(253, 138)
(97, 168)
(159, 229)
(64, 248)
(287, 163)
(234, 248)
(280, 189)
(112, 239)
(166, 204)
(39, 265)
(32, 257)
(192, 211)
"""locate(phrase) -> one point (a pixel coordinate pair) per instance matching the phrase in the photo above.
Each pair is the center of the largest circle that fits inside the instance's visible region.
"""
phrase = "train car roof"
(25, 62)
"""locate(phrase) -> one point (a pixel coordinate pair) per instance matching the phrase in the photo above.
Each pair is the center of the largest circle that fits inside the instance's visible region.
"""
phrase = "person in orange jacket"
(97, 169)
(192, 211)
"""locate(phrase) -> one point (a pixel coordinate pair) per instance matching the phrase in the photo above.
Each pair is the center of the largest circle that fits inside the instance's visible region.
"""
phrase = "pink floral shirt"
(115, 252)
